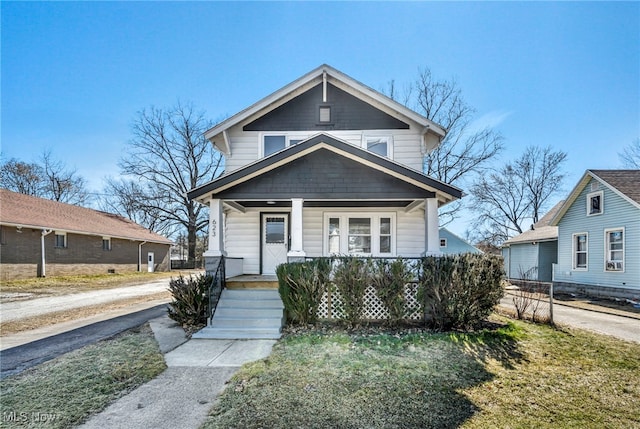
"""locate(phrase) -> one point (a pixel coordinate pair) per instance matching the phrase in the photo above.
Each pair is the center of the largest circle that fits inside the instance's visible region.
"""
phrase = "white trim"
(344, 217)
(574, 261)
(607, 249)
(591, 195)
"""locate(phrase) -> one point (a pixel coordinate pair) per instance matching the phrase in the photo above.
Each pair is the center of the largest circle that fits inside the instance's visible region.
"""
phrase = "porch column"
(216, 229)
(296, 252)
(431, 229)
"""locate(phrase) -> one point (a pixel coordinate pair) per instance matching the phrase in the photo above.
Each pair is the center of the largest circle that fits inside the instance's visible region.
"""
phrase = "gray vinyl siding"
(242, 239)
(547, 256)
(617, 213)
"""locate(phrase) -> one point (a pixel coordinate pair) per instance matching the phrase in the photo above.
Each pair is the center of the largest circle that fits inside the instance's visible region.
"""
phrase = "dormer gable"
(324, 100)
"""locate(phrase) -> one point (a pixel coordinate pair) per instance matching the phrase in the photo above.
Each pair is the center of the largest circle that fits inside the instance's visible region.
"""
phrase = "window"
(378, 145)
(106, 243)
(580, 251)
(61, 239)
(360, 234)
(334, 235)
(325, 114)
(272, 143)
(274, 230)
(614, 250)
(594, 203)
(443, 242)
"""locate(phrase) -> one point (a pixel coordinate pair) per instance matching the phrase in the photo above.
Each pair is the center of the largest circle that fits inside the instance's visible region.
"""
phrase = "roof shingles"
(29, 211)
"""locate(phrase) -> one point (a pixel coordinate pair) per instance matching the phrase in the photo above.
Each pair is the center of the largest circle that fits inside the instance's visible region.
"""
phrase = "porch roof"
(382, 178)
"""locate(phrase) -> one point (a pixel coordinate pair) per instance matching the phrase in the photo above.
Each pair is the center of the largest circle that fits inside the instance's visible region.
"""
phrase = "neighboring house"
(41, 237)
(324, 166)
(599, 235)
(451, 244)
(531, 255)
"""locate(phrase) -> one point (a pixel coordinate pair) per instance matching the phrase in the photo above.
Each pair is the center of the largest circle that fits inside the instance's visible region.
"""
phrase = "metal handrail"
(218, 283)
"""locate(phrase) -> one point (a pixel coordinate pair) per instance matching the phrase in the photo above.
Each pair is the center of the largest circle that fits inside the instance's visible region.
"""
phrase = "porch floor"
(253, 281)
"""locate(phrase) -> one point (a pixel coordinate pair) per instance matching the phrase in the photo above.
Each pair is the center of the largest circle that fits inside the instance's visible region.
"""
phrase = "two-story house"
(323, 166)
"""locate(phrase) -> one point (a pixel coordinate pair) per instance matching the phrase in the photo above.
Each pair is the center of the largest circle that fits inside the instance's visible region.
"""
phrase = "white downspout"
(140, 256)
(44, 233)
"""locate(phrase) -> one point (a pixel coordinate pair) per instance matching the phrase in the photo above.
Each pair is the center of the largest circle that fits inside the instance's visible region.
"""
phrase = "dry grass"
(517, 376)
(72, 284)
(13, 327)
(69, 389)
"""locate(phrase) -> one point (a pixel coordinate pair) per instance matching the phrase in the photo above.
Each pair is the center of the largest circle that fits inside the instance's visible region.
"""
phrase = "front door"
(274, 241)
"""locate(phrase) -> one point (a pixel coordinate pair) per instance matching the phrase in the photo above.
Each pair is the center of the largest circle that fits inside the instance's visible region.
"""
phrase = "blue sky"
(74, 74)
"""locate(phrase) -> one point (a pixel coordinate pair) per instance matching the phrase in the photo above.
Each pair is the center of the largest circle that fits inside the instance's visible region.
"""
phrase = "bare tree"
(464, 151)
(541, 172)
(22, 177)
(504, 199)
(630, 156)
(49, 179)
(167, 157)
(61, 183)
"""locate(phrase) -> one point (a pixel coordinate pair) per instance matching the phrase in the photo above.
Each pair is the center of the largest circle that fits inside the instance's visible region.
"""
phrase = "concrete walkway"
(181, 397)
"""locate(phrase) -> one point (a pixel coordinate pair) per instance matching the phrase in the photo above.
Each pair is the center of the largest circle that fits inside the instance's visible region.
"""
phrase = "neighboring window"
(2, 236)
(595, 203)
(614, 250)
(443, 242)
(358, 234)
(273, 144)
(379, 145)
(61, 239)
(106, 243)
(325, 114)
(580, 251)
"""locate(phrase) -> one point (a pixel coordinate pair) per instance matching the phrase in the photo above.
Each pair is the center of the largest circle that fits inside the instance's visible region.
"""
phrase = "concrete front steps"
(246, 314)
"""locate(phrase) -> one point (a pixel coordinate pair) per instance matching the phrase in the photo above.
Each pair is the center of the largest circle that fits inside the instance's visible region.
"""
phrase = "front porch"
(252, 281)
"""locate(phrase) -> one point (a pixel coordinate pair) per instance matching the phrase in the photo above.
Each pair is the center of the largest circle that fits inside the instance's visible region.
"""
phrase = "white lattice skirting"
(331, 305)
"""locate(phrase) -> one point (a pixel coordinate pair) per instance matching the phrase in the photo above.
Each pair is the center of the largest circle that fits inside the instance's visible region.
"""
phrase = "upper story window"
(580, 251)
(614, 250)
(60, 239)
(272, 143)
(595, 203)
(381, 145)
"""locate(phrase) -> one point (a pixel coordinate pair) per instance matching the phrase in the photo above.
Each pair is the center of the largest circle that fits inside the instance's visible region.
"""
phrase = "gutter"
(44, 233)
(140, 256)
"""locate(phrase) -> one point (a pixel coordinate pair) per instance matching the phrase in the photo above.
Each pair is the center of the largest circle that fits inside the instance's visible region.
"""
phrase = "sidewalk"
(181, 397)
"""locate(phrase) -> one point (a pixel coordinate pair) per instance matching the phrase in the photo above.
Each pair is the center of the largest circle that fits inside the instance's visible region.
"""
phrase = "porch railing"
(216, 287)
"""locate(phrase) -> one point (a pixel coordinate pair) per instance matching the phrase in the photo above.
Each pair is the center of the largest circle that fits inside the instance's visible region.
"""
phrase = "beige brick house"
(41, 237)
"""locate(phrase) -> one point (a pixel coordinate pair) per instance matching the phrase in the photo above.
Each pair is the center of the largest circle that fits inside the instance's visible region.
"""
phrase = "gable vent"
(595, 186)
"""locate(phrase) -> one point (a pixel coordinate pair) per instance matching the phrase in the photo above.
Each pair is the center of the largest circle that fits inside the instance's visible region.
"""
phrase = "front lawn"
(65, 391)
(514, 375)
